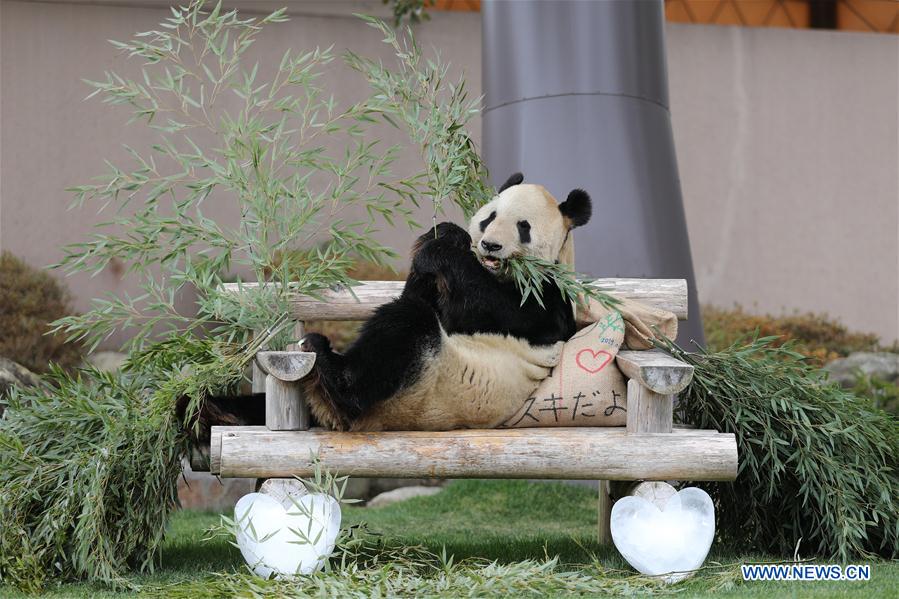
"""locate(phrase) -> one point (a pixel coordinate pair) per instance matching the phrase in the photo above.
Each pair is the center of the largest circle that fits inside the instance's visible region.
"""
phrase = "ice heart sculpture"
(670, 541)
(289, 538)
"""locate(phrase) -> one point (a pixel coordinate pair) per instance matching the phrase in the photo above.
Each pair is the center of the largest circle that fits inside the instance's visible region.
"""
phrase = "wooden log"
(198, 456)
(604, 514)
(571, 453)
(655, 491)
(286, 365)
(283, 406)
(215, 449)
(258, 375)
(616, 488)
(656, 370)
(340, 304)
(648, 411)
(299, 331)
(258, 379)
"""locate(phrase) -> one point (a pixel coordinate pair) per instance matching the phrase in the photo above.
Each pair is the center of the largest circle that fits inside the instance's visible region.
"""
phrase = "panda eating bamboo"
(457, 349)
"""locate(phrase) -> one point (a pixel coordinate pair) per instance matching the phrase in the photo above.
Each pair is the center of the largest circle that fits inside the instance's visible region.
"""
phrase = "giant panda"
(458, 348)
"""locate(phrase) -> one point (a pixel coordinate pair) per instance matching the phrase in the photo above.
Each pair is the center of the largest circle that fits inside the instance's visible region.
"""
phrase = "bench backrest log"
(341, 304)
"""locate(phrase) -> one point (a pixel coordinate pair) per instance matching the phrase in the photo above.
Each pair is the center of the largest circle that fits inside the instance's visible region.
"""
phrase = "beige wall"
(787, 150)
(786, 142)
(50, 139)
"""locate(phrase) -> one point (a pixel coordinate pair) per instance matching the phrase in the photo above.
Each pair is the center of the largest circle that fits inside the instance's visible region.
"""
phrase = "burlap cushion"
(586, 388)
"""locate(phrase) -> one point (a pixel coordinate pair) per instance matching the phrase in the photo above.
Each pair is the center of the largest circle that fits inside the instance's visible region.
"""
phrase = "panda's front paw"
(446, 234)
(549, 356)
(315, 342)
(454, 235)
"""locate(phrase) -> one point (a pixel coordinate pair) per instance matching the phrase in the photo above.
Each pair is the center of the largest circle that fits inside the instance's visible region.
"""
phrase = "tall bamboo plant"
(88, 466)
(264, 147)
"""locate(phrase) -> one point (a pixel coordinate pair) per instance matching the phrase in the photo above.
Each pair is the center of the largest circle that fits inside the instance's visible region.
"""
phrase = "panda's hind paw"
(315, 342)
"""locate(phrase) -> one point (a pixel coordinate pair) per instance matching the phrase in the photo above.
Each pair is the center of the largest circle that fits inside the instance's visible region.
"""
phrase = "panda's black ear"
(577, 208)
(515, 179)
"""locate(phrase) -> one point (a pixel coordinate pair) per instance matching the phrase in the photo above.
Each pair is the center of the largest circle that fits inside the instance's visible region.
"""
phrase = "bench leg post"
(648, 411)
(604, 514)
(258, 374)
(285, 409)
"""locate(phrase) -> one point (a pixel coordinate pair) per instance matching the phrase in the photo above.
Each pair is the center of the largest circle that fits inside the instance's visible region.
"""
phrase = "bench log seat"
(551, 453)
(649, 448)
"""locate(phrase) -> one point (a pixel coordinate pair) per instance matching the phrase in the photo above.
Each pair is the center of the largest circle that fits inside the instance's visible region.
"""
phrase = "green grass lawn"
(505, 521)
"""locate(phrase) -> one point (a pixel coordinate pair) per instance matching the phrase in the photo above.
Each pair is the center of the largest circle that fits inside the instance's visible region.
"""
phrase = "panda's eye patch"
(487, 221)
(524, 231)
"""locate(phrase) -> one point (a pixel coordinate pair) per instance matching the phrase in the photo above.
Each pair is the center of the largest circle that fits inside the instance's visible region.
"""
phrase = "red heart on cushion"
(595, 360)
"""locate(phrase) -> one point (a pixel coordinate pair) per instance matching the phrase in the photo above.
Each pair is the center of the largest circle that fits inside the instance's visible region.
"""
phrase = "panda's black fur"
(447, 287)
(448, 292)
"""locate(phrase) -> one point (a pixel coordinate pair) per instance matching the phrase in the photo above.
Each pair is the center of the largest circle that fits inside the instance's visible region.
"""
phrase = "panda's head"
(526, 219)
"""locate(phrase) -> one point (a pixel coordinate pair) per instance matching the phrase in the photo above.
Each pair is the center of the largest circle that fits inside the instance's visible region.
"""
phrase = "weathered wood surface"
(215, 449)
(668, 294)
(571, 453)
(284, 409)
(656, 492)
(656, 370)
(217, 433)
(258, 375)
(286, 365)
(198, 455)
(604, 514)
(648, 411)
(299, 331)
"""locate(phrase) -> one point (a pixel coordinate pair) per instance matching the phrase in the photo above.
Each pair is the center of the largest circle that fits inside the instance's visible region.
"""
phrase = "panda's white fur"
(549, 228)
(476, 381)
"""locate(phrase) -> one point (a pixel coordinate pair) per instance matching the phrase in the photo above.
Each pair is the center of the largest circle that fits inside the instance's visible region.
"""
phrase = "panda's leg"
(387, 356)
(540, 356)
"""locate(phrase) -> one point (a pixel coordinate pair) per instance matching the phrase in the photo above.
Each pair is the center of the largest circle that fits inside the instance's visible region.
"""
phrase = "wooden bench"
(649, 448)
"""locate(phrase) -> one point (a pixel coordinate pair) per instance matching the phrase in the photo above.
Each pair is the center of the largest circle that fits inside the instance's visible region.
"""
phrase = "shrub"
(818, 465)
(30, 299)
(297, 165)
(883, 394)
(816, 336)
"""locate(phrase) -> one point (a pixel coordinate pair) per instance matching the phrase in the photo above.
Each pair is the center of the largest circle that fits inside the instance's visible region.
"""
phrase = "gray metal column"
(576, 95)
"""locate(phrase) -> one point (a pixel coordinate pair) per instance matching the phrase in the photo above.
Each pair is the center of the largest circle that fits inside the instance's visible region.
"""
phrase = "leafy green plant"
(270, 158)
(418, 96)
(89, 469)
(89, 464)
(883, 394)
(531, 273)
(31, 299)
(414, 10)
(818, 465)
(816, 336)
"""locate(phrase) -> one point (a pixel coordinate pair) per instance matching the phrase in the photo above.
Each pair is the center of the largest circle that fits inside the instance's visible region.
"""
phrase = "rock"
(883, 365)
(106, 361)
(380, 485)
(402, 494)
(14, 374)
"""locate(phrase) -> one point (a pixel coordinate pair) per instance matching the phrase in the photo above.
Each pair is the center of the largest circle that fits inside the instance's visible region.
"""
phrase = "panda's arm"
(471, 300)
